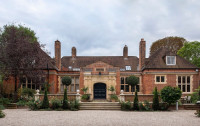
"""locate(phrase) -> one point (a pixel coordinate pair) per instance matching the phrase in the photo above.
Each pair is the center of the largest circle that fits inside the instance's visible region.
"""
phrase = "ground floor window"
(32, 83)
(128, 88)
(184, 83)
(73, 87)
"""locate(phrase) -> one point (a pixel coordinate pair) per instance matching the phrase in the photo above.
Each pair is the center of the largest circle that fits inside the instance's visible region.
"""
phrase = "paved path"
(23, 117)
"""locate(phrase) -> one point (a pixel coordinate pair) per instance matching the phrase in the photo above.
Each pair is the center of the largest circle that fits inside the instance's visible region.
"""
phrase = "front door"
(99, 91)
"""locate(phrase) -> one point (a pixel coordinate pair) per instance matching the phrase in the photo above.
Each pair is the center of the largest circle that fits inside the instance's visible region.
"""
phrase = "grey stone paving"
(24, 117)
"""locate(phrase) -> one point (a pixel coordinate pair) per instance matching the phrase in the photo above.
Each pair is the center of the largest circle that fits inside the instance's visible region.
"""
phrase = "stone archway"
(99, 91)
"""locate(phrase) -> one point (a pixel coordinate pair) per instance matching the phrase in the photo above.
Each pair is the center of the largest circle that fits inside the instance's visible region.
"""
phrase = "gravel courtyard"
(24, 117)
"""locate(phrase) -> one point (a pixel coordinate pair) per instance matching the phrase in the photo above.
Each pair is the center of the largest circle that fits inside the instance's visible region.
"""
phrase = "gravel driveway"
(24, 117)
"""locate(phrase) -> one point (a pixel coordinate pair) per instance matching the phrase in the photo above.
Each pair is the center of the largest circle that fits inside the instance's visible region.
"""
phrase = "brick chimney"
(73, 52)
(142, 52)
(58, 54)
(125, 51)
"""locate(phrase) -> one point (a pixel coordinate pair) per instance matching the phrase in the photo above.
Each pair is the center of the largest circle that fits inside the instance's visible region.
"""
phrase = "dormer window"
(171, 60)
(128, 67)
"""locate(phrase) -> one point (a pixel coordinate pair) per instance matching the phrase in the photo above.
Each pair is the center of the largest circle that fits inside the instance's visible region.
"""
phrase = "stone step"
(100, 106)
(11, 106)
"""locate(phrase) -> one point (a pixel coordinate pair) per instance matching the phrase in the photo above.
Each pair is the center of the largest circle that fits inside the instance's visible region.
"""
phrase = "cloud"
(103, 27)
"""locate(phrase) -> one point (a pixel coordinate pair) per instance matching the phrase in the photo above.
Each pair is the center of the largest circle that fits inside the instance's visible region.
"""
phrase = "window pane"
(29, 80)
(61, 88)
(138, 88)
(122, 80)
(77, 80)
(157, 78)
(72, 88)
(33, 86)
(188, 79)
(132, 89)
(126, 88)
(37, 86)
(72, 80)
(188, 88)
(77, 87)
(183, 79)
(179, 79)
(179, 86)
(122, 87)
(162, 78)
(126, 80)
(29, 85)
(183, 88)
(168, 60)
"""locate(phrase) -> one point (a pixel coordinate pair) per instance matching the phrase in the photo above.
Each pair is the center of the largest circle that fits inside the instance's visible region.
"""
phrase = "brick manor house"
(98, 73)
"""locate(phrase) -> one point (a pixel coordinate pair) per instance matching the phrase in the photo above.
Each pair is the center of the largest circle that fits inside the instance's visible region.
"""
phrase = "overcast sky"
(103, 27)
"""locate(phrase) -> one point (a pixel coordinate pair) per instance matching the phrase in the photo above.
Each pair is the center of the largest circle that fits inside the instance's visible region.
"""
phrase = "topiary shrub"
(74, 105)
(170, 95)
(126, 106)
(155, 105)
(55, 103)
(136, 103)
(133, 81)
(66, 81)
(65, 101)
(45, 102)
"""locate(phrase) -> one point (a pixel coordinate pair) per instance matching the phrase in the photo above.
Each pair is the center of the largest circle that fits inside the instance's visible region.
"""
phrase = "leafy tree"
(191, 52)
(66, 81)
(45, 103)
(173, 43)
(136, 103)
(133, 81)
(170, 94)
(20, 53)
(155, 104)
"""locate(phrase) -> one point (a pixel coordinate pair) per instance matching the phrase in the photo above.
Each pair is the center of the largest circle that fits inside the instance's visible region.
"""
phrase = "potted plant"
(85, 97)
(113, 96)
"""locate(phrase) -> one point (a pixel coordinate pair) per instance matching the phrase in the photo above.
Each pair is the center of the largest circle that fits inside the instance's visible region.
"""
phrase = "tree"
(191, 52)
(170, 94)
(136, 104)
(45, 103)
(173, 43)
(133, 81)
(155, 104)
(20, 53)
(66, 81)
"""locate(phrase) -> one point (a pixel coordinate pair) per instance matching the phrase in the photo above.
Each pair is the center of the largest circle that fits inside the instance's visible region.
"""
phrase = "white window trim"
(165, 82)
(167, 60)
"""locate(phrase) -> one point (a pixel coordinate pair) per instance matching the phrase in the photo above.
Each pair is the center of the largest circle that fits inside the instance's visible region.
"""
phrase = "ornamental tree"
(173, 43)
(133, 81)
(155, 104)
(66, 81)
(170, 94)
(191, 52)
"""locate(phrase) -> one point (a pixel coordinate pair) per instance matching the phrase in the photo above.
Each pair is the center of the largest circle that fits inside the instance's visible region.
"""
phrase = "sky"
(103, 27)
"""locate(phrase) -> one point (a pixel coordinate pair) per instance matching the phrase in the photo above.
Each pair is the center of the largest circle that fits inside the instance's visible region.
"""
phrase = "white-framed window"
(184, 83)
(127, 88)
(128, 67)
(160, 79)
(171, 60)
(73, 87)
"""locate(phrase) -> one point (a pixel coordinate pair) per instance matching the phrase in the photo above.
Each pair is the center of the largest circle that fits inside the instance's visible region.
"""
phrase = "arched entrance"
(99, 91)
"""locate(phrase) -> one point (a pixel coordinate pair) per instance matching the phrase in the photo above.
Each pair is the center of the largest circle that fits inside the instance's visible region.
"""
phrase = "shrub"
(145, 106)
(136, 104)
(2, 107)
(65, 101)
(55, 103)
(74, 105)
(195, 95)
(4, 101)
(113, 96)
(155, 105)
(170, 94)
(21, 103)
(26, 92)
(126, 106)
(132, 80)
(34, 105)
(84, 89)
(2, 114)
(85, 97)
(197, 113)
(45, 103)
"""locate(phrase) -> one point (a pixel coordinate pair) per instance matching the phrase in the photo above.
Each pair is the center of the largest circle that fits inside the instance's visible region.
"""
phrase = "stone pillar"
(58, 54)
(142, 52)
(73, 52)
(122, 96)
(78, 98)
(37, 95)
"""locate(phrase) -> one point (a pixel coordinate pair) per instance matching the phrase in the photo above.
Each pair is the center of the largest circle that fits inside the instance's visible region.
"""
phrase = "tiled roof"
(115, 61)
(158, 61)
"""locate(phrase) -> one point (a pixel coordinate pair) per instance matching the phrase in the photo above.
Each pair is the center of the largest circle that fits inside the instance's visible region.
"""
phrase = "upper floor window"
(128, 67)
(160, 79)
(171, 60)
